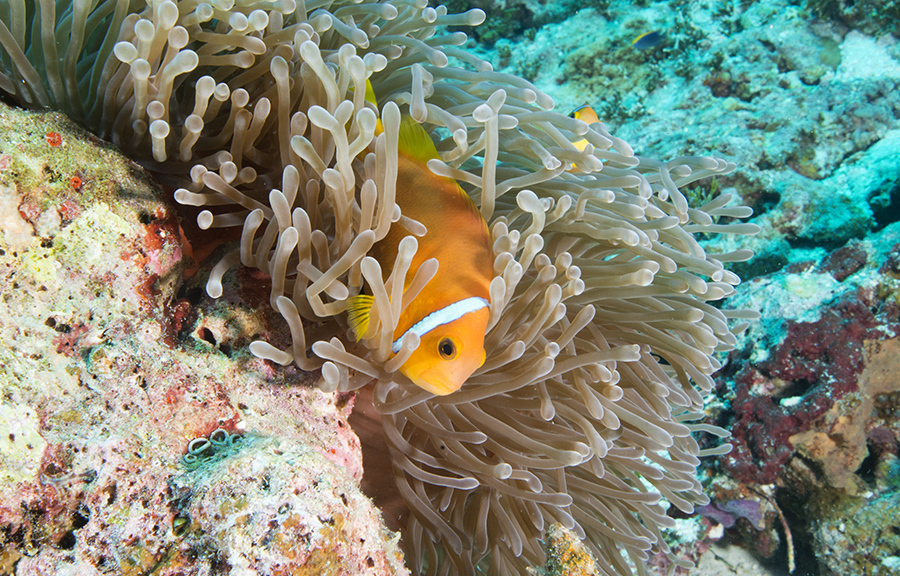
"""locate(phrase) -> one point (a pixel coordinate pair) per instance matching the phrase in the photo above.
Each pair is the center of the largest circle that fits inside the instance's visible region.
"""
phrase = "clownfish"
(586, 114)
(450, 315)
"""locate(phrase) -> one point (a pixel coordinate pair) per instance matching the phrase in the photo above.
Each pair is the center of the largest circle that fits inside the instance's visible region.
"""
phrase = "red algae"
(817, 363)
(53, 139)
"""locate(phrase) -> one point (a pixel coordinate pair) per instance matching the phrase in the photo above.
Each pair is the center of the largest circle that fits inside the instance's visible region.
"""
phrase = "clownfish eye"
(447, 349)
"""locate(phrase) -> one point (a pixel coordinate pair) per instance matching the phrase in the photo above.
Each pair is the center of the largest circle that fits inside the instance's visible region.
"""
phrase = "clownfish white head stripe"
(443, 316)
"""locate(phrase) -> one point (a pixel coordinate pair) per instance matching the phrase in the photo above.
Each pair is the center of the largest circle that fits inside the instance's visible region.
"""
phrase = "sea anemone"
(601, 337)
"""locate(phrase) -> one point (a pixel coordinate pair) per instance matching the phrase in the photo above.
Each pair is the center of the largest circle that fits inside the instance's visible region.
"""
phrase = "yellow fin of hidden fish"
(370, 97)
(370, 93)
(358, 310)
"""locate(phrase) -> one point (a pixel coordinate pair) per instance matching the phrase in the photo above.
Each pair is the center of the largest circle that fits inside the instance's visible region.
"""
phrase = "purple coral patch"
(727, 513)
(818, 362)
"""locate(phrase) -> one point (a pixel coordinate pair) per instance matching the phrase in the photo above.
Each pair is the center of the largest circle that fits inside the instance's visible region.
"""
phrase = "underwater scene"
(501, 287)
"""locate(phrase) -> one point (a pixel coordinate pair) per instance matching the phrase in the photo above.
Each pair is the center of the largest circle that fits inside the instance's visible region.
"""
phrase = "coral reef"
(808, 108)
(859, 537)
(108, 377)
(808, 398)
(603, 321)
(729, 560)
(866, 16)
(804, 96)
(812, 361)
(512, 19)
(566, 554)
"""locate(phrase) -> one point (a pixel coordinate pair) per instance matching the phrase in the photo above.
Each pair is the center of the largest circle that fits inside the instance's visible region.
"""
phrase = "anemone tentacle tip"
(600, 331)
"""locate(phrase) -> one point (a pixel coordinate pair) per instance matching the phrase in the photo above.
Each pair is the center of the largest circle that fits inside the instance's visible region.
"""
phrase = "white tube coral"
(601, 338)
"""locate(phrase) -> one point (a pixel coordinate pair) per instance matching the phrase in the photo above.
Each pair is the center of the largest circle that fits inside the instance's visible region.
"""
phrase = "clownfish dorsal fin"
(414, 142)
(358, 310)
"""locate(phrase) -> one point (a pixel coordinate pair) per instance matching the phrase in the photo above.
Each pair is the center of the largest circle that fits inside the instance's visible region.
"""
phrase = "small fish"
(586, 114)
(648, 40)
(451, 313)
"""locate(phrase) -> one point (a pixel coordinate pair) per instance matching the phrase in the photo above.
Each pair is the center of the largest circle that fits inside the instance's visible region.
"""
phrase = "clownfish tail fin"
(358, 309)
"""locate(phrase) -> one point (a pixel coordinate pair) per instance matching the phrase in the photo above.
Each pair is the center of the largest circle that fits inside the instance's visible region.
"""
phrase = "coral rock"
(108, 376)
(838, 445)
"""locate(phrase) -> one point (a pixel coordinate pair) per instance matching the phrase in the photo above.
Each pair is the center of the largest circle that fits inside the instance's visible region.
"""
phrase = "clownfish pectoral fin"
(358, 310)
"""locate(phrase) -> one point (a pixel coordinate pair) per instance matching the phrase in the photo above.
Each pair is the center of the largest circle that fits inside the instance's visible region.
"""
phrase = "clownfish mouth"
(435, 382)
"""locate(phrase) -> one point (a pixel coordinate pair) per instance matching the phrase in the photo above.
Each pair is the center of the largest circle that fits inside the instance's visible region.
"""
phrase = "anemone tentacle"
(602, 335)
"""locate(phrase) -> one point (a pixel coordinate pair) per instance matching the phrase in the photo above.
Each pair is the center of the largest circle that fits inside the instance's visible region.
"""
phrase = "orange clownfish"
(450, 315)
(587, 114)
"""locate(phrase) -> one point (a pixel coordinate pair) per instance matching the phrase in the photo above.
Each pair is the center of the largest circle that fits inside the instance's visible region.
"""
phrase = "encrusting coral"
(601, 334)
